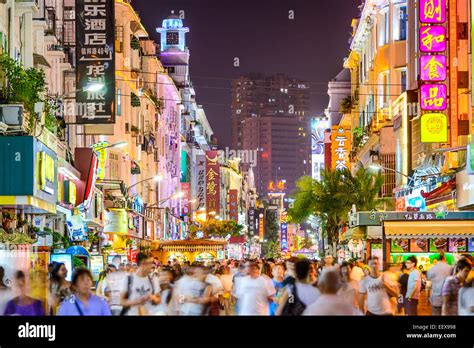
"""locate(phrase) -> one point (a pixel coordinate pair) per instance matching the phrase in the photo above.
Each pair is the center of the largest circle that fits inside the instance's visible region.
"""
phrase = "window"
(383, 90)
(403, 23)
(403, 80)
(383, 29)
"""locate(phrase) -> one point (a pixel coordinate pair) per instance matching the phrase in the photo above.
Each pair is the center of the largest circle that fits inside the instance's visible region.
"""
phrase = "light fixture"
(375, 167)
(157, 178)
(93, 87)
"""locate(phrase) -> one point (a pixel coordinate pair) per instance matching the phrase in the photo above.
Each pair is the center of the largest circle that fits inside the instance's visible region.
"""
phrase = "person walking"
(451, 287)
(23, 304)
(226, 280)
(295, 298)
(5, 292)
(349, 289)
(437, 275)
(403, 282)
(329, 302)
(166, 280)
(59, 287)
(192, 294)
(140, 292)
(376, 290)
(278, 273)
(236, 280)
(113, 284)
(255, 292)
(466, 297)
(82, 301)
(413, 287)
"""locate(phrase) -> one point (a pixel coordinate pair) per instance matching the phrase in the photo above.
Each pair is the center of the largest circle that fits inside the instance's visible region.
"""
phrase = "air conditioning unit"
(12, 116)
(126, 62)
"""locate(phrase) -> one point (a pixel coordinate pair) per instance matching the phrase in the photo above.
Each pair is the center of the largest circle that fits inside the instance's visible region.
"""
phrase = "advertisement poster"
(97, 265)
(419, 245)
(400, 245)
(116, 221)
(457, 245)
(437, 244)
(470, 245)
(67, 260)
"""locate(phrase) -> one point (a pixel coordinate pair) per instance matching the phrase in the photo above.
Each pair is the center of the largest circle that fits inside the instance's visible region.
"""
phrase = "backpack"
(293, 306)
(129, 290)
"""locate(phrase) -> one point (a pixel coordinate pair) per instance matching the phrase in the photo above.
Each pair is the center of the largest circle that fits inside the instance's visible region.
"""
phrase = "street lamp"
(116, 145)
(156, 178)
(379, 167)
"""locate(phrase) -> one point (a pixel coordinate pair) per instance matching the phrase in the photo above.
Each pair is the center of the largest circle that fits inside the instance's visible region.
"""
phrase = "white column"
(28, 40)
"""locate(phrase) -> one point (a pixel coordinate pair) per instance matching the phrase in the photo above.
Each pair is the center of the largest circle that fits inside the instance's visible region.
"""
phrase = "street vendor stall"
(188, 250)
(422, 234)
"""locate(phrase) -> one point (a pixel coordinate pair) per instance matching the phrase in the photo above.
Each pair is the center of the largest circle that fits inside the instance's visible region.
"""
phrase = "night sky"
(310, 47)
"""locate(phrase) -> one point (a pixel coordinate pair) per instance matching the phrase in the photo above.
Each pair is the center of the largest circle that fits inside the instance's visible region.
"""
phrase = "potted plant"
(8, 221)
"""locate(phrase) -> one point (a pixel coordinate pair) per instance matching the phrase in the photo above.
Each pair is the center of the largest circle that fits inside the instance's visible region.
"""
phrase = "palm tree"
(331, 198)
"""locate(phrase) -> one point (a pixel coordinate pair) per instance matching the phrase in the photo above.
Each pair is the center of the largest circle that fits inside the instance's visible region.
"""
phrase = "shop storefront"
(422, 234)
(189, 250)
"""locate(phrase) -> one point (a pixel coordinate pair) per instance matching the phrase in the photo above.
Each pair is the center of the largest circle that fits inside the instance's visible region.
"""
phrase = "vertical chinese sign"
(212, 182)
(433, 71)
(284, 232)
(261, 224)
(341, 147)
(101, 151)
(95, 60)
(185, 204)
(201, 182)
(233, 199)
(251, 221)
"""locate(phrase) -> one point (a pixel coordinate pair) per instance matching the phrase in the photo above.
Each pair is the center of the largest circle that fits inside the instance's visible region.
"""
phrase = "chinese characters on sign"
(433, 68)
(433, 97)
(95, 61)
(212, 182)
(185, 204)
(233, 205)
(251, 221)
(100, 149)
(341, 147)
(201, 182)
(432, 39)
(284, 231)
(433, 11)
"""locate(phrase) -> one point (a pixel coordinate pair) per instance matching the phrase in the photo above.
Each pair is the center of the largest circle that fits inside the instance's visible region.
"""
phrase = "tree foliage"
(215, 228)
(331, 198)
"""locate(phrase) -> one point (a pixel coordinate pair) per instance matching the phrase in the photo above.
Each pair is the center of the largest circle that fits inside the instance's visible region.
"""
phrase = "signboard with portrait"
(96, 265)
(438, 244)
(95, 61)
(420, 245)
(457, 245)
(399, 245)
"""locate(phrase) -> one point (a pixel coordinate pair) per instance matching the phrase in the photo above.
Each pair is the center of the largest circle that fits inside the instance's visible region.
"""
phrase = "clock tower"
(174, 54)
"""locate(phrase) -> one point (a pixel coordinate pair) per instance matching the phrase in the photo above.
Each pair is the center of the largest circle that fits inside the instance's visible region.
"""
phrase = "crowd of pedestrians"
(291, 287)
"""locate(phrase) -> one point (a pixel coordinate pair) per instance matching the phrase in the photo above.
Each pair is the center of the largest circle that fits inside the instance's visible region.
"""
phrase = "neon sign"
(433, 97)
(433, 11)
(433, 68)
(432, 39)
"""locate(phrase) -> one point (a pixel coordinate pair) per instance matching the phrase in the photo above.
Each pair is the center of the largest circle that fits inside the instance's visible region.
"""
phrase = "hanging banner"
(261, 224)
(252, 221)
(185, 205)
(433, 68)
(101, 151)
(95, 61)
(341, 147)
(213, 182)
(233, 199)
(201, 182)
(284, 237)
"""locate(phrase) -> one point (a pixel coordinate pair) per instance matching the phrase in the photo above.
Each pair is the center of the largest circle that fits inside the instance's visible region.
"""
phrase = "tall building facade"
(270, 116)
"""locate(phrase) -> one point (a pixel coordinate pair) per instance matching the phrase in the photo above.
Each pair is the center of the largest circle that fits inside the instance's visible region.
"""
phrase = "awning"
(426, 229)
(30, 204)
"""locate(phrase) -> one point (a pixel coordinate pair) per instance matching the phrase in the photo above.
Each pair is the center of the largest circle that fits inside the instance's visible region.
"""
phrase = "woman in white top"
(349, 289)
(306, 276)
